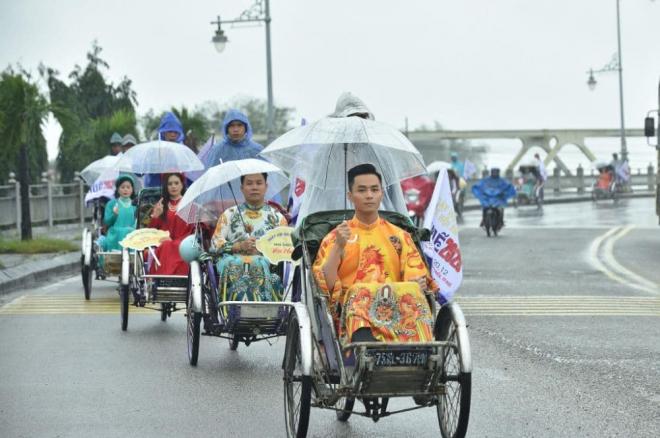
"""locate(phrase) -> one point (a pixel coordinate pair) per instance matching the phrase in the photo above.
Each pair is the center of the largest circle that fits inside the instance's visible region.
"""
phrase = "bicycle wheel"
(453, 408)
(297, 387)
(346, 405)
(123, 304)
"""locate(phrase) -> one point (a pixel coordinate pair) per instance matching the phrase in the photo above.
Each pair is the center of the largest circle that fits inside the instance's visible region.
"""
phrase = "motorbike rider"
(493, 191)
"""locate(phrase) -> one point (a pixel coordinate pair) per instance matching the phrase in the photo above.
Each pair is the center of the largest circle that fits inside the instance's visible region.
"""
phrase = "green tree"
(89, 109)
(23, 110)
(196, 125)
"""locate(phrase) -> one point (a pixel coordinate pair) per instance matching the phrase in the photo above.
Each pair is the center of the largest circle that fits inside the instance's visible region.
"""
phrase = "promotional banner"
(469, 170)
(442, 251)
(101, 189)
(296, 192)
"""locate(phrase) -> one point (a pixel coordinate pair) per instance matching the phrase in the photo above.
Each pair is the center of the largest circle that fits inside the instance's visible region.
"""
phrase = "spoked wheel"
(297, 387)
(87, 273)
(194, 324)
(164, 310)
(453, 406)
(346, 405)
(233, 342)
(124, 291)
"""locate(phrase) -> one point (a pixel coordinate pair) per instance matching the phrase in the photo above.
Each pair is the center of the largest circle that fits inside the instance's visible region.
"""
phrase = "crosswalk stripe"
(548, 305)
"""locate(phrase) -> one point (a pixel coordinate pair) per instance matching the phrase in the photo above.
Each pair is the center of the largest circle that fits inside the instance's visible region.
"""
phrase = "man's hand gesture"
(343, 234)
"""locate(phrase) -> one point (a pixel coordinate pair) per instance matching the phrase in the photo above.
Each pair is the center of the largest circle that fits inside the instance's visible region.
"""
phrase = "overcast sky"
(473, 64)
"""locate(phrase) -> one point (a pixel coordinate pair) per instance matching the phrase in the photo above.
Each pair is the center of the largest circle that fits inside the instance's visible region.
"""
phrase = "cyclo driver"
(373, 273)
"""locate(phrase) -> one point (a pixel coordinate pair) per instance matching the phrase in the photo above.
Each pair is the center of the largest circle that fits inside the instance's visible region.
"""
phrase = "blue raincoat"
(169, 122)
(493, 192)
(228, 150)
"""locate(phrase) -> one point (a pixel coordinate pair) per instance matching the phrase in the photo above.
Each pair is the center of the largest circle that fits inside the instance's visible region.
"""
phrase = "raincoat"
(493, 192)
(228, 150)
(169, 122)
(318, 199)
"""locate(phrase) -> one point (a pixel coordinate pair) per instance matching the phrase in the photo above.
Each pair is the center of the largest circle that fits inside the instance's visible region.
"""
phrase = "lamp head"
(591, 82)
(219, 39)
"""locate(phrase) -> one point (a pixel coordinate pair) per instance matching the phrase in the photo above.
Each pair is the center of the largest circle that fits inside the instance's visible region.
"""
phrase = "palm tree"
(23, 111)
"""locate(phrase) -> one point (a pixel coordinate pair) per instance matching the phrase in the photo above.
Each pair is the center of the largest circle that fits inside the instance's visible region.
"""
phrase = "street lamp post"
(615, 65)
(259, 12)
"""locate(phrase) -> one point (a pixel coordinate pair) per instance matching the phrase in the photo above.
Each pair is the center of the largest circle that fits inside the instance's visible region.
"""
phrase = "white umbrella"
(91, 173)
(436, 166)
(322, 151)
(219, 187)
(159, 156)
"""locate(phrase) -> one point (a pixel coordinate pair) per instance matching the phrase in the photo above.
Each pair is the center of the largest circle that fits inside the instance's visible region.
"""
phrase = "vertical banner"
(469, 169)
(442, 251)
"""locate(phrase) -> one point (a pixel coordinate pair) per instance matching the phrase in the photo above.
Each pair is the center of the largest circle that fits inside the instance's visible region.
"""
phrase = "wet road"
(564, 314)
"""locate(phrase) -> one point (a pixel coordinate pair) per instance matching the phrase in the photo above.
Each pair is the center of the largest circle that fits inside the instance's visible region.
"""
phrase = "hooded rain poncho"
(493, 192)
(228, 150)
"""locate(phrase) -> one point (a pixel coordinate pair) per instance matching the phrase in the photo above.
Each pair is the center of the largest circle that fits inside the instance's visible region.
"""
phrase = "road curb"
(38, 272)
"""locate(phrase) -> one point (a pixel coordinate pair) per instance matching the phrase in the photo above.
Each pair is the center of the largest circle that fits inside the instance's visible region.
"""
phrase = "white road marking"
(601, 256)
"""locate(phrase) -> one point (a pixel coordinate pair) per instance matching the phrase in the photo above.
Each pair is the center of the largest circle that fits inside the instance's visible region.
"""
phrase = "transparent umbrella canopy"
(91, 173)
(159, 157)
(436, 166)
(322, 151)
(219, 188)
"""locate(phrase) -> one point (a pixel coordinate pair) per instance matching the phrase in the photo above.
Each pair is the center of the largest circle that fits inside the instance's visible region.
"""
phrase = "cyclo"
(529, 187)
(242, 306)
(434, 374)
(165, 292)
(606, 185)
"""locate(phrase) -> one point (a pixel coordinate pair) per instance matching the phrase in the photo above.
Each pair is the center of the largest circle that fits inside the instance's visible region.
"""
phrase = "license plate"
(399, 358)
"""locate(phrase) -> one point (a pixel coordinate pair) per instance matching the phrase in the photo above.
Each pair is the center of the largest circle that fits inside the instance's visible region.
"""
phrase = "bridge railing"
(581, 182)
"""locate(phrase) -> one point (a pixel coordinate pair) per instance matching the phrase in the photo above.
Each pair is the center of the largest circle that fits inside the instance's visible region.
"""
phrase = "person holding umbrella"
(237, 231)
(360, 266)
(163, 217)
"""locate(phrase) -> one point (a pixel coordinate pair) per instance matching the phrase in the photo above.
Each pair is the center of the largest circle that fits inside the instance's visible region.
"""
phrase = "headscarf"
(120, 179)
(228, 150)
(170, 122)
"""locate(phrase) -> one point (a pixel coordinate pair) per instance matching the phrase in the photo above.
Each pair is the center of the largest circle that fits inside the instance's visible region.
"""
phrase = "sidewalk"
(21, 271)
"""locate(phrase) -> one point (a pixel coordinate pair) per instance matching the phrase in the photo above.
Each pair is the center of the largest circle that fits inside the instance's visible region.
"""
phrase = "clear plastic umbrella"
(435, 166)
(91, 173)
(219, 188)
(322, 151)
(159, 157)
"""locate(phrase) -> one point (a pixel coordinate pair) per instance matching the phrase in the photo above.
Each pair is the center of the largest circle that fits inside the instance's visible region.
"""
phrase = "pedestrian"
(115, 144)
(456, 164)
(128, 142)
(236, 144)
(541, 166)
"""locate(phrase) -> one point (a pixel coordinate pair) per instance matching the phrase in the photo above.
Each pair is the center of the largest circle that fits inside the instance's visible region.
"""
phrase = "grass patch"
(38, 245)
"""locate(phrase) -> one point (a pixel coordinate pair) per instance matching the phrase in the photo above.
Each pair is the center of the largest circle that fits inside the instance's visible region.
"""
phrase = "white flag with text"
(443, 251)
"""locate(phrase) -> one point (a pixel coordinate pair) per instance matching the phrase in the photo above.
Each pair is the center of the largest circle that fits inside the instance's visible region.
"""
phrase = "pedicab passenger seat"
(317, 225)
(146, 200)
